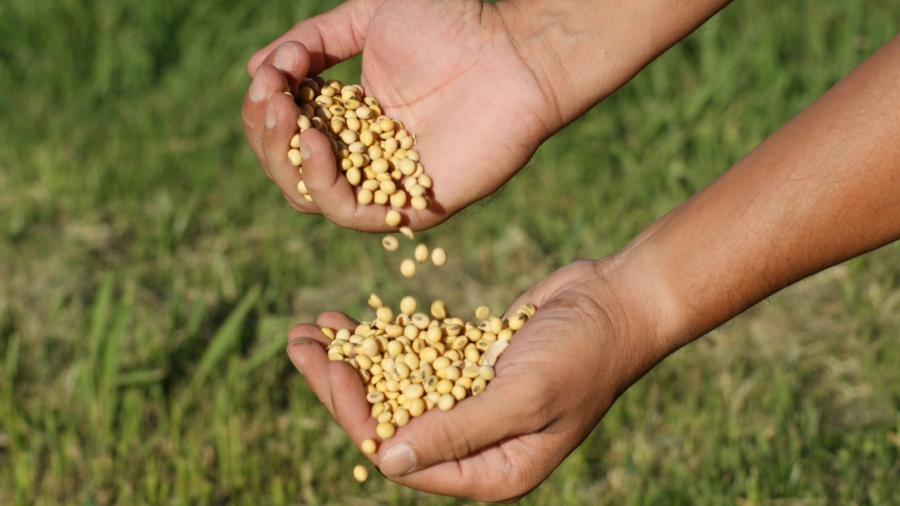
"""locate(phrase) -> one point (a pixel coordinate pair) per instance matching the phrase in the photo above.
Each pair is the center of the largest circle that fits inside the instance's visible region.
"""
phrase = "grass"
(149, 272)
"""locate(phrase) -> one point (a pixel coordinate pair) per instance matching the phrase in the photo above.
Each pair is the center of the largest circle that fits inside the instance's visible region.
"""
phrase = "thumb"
(475, 423)
(331, 37)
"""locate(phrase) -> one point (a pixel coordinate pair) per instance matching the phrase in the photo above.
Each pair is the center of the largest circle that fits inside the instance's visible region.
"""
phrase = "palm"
(545, 373)
(448, 70)
(556, 371)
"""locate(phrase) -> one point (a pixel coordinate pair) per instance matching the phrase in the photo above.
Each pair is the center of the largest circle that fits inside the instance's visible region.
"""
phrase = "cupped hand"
(560, 374)
(449, 71)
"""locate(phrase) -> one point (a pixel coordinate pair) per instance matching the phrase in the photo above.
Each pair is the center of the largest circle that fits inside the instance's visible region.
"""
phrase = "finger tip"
(304, 331)
(319, 150)
(335, 320)
(253, 63)
(293, 58)
(286, 112)
(296, 353)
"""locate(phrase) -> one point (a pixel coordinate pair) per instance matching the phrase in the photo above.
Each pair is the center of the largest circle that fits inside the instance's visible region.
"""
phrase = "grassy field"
(149, 272)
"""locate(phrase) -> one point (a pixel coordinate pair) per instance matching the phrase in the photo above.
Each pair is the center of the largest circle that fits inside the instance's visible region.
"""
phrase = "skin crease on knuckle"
(454, 441)
(530, 475)
(517, 470)
(521, 472)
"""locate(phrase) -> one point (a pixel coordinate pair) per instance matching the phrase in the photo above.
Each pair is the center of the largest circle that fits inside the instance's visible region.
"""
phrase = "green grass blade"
(100, 312)
(262, 355)
(140, 377)
(11, 360)
(224, 340)
(115, 339)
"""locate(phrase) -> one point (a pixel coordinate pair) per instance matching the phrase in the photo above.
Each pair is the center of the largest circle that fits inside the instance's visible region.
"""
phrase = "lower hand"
(563, 370)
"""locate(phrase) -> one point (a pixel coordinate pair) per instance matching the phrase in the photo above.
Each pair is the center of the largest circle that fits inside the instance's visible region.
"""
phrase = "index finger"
(331, 37)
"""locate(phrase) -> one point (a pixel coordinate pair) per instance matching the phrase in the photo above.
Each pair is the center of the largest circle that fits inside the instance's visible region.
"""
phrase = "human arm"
(822, 189)
(481, 85)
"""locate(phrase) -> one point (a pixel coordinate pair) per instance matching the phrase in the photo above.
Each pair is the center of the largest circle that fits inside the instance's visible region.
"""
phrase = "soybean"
(438, 256)
(392, 218)
(421, 253)
(385, 430)
(368, 446)
(390, 243)
(407, 268)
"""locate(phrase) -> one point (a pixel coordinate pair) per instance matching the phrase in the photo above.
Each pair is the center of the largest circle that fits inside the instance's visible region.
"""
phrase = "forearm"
(583, 50)
(822, 189)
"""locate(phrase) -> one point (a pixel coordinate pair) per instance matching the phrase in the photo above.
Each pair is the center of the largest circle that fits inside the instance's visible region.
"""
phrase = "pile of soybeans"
(410, 361)
(374, 151)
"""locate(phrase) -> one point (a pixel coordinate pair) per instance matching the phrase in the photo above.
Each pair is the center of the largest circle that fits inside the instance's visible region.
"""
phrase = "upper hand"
(449, 71)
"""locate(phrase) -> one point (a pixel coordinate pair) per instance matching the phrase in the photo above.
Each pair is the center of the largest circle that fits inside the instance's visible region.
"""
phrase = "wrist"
(647, 283)
(582, 51)
(636, 300)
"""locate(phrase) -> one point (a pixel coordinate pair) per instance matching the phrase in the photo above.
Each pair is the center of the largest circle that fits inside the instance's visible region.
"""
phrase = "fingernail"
(304, 150)
(270, 115)
(399, 460)
(286, 58)
(259, 85)
(300, 341)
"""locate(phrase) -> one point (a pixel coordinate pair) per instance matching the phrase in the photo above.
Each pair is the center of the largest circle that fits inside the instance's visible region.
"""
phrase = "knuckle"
(454, 441)
(526, 472)
(342, 220)
(535, 405)
(519, 477)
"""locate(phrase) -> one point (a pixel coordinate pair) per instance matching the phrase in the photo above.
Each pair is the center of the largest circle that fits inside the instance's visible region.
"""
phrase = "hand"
(561, 373)
(449, 71)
